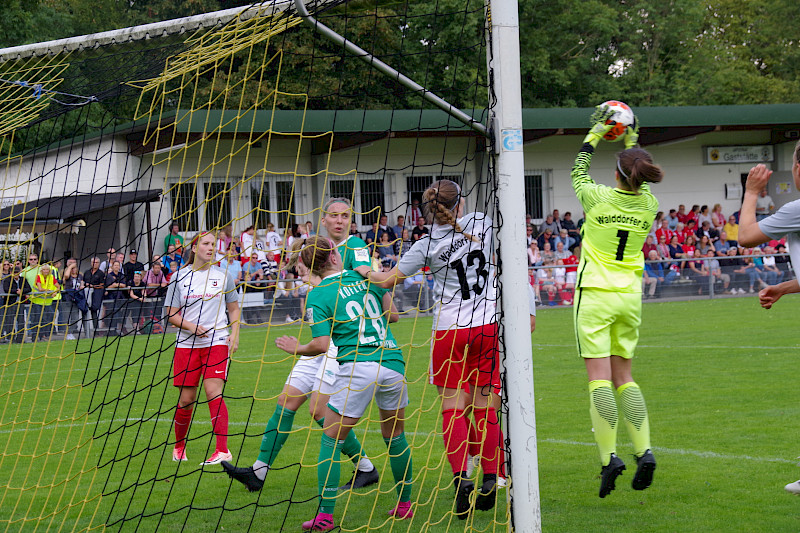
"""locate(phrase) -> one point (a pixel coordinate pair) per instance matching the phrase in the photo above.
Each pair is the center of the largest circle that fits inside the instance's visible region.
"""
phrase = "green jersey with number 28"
(617, 223)
(349, 309)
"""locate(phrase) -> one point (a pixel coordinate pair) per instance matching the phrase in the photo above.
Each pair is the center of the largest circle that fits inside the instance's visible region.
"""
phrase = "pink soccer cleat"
(179, 453)
(402, 511)
(217, 457)
(322, 522)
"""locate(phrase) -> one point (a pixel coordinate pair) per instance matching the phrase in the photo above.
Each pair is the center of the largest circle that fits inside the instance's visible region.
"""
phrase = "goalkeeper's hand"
(601, 115)
(632, 134)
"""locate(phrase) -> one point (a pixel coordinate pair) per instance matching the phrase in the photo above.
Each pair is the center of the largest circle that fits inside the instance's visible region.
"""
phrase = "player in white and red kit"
(202, 303)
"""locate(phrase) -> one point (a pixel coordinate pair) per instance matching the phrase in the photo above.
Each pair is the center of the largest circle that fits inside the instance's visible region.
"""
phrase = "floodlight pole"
(515, 337)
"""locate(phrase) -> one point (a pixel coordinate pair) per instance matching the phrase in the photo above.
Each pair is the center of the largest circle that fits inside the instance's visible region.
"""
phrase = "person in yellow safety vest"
(46, 289)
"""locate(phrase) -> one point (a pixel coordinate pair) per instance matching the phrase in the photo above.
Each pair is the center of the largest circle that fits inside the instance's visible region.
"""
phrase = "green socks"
(603, 410)
(634, 410)
(276, 433)
(400, 461)
(328, 472)
(352, 446)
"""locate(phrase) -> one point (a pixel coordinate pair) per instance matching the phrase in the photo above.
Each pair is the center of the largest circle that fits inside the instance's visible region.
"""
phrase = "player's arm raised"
(749, 232)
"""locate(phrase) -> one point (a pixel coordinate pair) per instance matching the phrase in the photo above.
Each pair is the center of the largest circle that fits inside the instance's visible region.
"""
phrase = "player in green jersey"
(312, 378)
(608, 303)
(346, 309)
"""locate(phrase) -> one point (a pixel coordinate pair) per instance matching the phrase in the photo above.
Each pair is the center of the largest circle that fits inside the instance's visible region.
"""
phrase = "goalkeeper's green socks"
(603, 410)
(400, 461)
(328, 471)
(634, 410)
(275, 434)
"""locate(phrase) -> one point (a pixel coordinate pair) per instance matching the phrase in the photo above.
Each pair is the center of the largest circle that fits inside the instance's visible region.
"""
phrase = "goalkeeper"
(608, 300)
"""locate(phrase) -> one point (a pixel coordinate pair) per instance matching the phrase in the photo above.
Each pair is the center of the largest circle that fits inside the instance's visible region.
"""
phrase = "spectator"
(224, 240)
(722, 246)
(676, 253)
(689, 246)
(173, 268)
(705, 216)
(115, 299)
(753, 274)
(411, 295)
(571, 264)
(529, 236)
(111, 254)
(419, 230)
(32, 270)
(547, 284)
(705, 246)
(133, 265)
(572, 230)
(672, 219)
(548, 255)
(354, 229)
(15, 289)
(372, 234)
(732, 229)
(415, 213)
(75, 307)
(120, 257)
(174, 239)
(683, 216)
(694, 214)
(172, 255)
(404, 244)
(288, 290)
(733, 265)
(556, 221)
(717, 218)
(253, 274)
(250, 243)
(273, 241)
(6, 270)
(94, 279)
(764, 205)
(534, 257)
(400, 226)
(546, 237)
(649, 245)
(550, 224)
(561, 253)
(698, 271)
(663, 247)
(232, 265)
(690, 229)
(137, 291)
(663, 230)
(156, 281)
(307, 230)
(782, 261)
(42, 312)
(706, 229)
(384, 227)
(651, 277)
(386, 249)
(715, 270)
(564, 238)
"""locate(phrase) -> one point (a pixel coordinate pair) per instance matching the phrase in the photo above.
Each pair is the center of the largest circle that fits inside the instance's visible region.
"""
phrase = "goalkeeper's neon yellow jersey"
(617, 223)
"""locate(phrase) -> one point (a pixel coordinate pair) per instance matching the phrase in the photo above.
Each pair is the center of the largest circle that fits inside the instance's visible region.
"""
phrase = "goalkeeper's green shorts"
(607, 322)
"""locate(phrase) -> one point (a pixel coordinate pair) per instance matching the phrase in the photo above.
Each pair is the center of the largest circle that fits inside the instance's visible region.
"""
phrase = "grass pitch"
(84, 434)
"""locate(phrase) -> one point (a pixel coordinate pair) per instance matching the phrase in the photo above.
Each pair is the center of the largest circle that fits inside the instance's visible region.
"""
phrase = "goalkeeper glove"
(600, 124)
(632, 134)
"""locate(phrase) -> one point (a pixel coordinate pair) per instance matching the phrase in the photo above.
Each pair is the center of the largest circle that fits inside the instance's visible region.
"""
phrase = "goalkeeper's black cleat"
(246, 476)
(646, 465)
(464, 488)
(361, 479)
(609, 474)
(487, 493)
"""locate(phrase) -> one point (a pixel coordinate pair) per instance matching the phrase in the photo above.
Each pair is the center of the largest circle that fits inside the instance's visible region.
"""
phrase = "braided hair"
(440, 202)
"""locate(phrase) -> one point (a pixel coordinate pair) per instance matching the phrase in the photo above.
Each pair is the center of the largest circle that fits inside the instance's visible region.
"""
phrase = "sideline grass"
(718, 377)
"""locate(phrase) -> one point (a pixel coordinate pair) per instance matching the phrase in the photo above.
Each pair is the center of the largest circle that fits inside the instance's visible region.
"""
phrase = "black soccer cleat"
(246, 476)
(464, 488)
(609, 474)
(362, 479)
(487, 494)
(646, 465)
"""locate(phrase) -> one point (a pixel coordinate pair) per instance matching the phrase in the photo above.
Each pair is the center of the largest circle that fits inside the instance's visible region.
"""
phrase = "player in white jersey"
(785, 221)
(313, 378)
(464, 351)
(202, 303)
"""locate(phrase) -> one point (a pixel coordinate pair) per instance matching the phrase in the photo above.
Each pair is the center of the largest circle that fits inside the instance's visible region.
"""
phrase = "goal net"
(115, 147)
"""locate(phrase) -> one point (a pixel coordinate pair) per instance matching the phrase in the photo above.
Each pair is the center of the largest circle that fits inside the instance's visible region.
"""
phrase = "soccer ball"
(623, 116)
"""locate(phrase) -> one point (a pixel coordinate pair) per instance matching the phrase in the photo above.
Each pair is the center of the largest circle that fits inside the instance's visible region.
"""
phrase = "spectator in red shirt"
(690, 229)
(682, 215)
(649, 244)
(664, 231)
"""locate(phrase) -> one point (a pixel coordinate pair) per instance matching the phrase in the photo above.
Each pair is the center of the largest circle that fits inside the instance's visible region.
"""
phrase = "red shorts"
(466, 356)
(191, 363)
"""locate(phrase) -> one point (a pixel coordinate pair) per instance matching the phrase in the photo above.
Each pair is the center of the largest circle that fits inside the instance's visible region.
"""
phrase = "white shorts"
(318, 373)
(357, 384)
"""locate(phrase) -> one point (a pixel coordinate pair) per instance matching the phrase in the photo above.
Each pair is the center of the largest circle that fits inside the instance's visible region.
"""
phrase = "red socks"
(474, 439)
(491, 452)
(219, 422)
(456, 434)
(183, 417)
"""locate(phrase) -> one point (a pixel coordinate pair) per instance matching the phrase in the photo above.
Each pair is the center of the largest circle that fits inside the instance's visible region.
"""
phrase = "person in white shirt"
(203, 304)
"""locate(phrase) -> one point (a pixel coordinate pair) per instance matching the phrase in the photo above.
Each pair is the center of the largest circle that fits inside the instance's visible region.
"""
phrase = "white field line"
(669, 451)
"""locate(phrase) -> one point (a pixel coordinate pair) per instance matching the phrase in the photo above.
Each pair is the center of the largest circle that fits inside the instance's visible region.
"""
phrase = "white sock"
(260, 469)
(365, 465)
